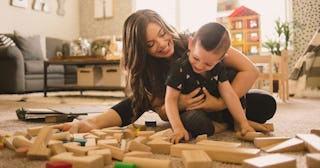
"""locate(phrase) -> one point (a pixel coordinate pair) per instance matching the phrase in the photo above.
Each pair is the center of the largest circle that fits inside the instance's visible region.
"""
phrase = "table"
(77, 62)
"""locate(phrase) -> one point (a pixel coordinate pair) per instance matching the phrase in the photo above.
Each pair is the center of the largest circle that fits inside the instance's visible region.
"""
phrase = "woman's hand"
(210, 103)
(178, 134)
(187, 101)
(75, 127)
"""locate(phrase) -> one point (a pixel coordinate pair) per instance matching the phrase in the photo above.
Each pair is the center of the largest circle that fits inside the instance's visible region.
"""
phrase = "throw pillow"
(29, 45)
(6, 41)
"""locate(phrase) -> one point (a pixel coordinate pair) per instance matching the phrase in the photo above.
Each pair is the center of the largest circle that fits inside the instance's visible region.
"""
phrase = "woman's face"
(159, 42)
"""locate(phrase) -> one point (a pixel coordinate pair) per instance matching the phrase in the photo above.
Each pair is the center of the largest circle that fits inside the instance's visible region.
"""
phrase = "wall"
(29, 21)
(306, 15)
(91, 27)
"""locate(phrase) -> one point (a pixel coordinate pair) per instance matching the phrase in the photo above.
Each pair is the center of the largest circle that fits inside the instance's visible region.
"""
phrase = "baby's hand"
(178, 134)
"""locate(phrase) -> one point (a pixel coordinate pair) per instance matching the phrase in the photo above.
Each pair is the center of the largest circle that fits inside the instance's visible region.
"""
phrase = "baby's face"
(202, 60)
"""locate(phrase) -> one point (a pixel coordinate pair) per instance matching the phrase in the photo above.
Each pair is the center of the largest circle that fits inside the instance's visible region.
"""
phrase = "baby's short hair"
(213, 36)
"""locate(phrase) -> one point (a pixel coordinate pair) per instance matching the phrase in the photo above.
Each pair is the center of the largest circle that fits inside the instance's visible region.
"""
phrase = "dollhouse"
(244, 27)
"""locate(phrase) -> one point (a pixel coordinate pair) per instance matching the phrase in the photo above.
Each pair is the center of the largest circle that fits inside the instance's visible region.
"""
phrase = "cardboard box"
(88, 76)
(113, 76)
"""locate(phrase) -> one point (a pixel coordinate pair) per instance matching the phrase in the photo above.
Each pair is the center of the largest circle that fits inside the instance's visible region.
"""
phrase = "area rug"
(292, 117)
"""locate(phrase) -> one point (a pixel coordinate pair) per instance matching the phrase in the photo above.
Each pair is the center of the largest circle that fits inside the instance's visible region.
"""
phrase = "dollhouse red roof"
(242, 11)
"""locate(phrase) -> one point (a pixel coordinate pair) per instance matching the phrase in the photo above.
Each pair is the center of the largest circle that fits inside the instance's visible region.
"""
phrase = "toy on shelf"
(244, 27)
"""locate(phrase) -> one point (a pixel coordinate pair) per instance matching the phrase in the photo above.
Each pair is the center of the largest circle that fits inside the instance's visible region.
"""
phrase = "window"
(191, 14)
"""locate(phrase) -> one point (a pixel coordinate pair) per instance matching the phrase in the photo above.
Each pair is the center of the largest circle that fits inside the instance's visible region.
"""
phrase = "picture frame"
(20, 3)
(226, 5)
(103, 9)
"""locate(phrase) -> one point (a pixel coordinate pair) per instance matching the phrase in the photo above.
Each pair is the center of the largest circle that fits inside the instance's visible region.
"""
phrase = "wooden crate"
(113, 76)
(88, 76)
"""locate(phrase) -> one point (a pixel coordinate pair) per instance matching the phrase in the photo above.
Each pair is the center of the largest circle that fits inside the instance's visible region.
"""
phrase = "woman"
(150, 46)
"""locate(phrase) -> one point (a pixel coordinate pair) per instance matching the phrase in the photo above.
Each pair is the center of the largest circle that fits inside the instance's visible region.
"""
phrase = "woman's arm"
(247, 71)
(184, 101)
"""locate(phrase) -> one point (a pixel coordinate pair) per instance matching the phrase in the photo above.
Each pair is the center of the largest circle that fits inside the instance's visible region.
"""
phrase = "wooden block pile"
(132, 147)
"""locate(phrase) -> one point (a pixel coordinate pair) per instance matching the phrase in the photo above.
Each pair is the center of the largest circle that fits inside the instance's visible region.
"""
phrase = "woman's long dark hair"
(146, 74)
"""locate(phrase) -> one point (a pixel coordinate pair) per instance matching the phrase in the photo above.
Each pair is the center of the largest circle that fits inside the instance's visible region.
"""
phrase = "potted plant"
(100, 48)
(279, 45)
(283, 35)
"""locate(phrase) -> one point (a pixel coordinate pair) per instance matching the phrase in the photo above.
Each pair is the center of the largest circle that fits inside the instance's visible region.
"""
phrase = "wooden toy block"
(34, 131)
(51, 142)
(90, 136)
(250, 135)
(93, 161)
(223, 154)
(196, 158)
(261, 142)
(112, 142)
(78, 150)
(164, 134)
(124, 165)
(313, 160)
(270, 161)
(138, 154)
(61, 136)
(315, 131)
(106, 153)
(291, 145)
(39, 150)
(141, 139)
(201, 137)
(19, 141)
(312, 142)
(111, 131)
(79, 135)
(123, 145)
(159, 146)
(128, 134)
(145, 133)
(22, 151)
(58, 164)
(99, 133)
(111, 128)
(56, 147)
(219, 143)
(136, 146)
(118, 136)
(91, 142)
(148, 162)
(116, 153)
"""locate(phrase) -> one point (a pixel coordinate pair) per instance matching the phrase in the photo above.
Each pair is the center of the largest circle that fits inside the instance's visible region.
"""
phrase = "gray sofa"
(22, 68)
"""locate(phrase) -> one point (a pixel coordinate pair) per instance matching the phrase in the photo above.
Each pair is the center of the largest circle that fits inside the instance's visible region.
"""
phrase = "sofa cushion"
(30, 46)
(6, 41)
(36, 67)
